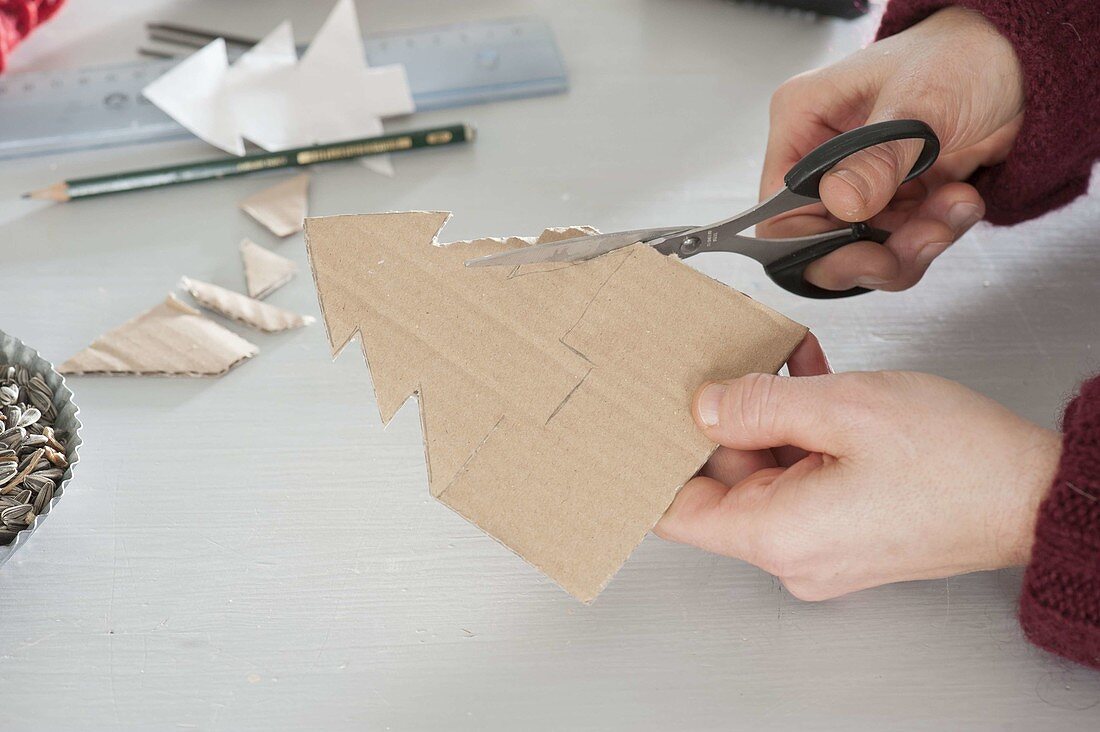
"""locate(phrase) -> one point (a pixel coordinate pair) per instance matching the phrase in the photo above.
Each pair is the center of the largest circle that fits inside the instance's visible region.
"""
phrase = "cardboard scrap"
(554, 398)
(264, 270)
(243, 309)
(172, 339)
(282, 207)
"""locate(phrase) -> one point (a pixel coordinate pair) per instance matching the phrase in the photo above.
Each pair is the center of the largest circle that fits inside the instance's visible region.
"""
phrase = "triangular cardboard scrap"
(554, 398)
(243, 309)
(264, 270)
(172, 339)
(282, 207)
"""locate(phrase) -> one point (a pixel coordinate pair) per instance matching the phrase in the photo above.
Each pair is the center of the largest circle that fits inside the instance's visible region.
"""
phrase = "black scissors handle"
(789, 271)
(805, 176)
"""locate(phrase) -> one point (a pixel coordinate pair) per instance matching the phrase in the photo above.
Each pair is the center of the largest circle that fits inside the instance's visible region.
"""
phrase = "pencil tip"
(25, 195)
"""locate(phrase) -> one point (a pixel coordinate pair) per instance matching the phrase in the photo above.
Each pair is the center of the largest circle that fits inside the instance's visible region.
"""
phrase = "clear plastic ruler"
(449, 66)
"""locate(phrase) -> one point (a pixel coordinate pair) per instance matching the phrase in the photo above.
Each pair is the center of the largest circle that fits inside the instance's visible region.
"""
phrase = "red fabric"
(18, 18)
(1058, 44)
(1060, 607)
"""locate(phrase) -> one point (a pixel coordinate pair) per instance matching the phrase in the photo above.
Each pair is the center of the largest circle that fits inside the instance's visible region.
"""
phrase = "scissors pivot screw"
(689, 245)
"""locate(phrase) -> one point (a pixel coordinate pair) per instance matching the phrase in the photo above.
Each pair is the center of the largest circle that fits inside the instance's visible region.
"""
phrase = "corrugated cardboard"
(281, 207)
(171, 339)
(243, 309)
(264, 270)
(554, 398)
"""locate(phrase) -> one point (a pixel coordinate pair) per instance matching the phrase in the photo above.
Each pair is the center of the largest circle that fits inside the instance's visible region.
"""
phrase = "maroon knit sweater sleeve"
(1058, 45)
(18, 18)
(1060, 607)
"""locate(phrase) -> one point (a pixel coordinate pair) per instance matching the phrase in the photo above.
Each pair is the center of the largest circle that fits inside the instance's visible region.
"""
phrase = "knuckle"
(665, 529)
(779, 556)
(755, 411)
(881, 165)
(675, 525)
(856, 398)
(808, 590)
(788, 93)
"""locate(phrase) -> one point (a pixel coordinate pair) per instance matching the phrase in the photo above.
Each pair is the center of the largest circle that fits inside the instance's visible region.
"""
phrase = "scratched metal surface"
(256, 552)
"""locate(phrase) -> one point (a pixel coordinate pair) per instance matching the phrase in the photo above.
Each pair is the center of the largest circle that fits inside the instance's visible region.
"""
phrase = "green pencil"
(210, 169)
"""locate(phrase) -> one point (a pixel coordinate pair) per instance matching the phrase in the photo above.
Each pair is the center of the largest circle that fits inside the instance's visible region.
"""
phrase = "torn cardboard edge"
(537, 386)
(170, 339)
(264, 270)
(243, 309)
(282, 207)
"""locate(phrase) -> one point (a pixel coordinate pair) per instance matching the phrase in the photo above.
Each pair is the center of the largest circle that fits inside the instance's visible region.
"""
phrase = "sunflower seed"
(34, 441)
(29, 416)
(40, 394)
(39, 385)
(32, 452)
(12, 437)
(51, 439)
(43, 499)
(17, 514)
(25, 469)
(55, 457)
(36, 482)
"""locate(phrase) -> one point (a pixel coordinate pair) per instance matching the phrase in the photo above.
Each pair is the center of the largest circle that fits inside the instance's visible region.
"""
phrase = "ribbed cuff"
(1060, 605)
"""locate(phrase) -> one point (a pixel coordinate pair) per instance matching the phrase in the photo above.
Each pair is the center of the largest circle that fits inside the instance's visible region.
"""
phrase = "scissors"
(784, 260)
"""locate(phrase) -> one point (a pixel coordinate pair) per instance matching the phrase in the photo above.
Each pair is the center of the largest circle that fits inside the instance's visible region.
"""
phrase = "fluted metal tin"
(14, 351)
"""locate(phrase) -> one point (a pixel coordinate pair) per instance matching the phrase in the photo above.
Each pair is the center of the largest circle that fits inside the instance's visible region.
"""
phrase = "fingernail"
(709, 403)
(930, 251)
(869, 281)
(962, 216)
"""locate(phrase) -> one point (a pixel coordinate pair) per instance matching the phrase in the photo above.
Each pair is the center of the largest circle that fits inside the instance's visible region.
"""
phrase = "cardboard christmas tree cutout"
(554, 398)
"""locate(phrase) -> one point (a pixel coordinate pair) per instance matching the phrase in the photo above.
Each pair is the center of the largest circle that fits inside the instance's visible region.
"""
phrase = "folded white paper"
(277, 101)
(193, 94)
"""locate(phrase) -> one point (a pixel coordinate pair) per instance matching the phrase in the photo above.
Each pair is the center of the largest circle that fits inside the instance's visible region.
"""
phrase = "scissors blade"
(573, 250)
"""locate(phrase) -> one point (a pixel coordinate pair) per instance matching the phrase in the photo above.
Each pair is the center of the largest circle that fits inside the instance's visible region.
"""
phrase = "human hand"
(953, 71)
(908, 476)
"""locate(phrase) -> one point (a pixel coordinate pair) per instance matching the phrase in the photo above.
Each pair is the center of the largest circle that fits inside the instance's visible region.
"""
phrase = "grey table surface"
(257, 552)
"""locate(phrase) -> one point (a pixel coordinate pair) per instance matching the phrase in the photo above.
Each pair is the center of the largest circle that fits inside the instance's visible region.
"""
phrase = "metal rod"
(200, 34)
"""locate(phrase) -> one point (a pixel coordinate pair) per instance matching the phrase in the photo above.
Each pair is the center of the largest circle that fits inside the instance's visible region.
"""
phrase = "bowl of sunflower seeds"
(39, 437)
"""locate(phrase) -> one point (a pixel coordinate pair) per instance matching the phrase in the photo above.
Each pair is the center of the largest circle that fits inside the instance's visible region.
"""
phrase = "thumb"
(862, 184)
(761, 411)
